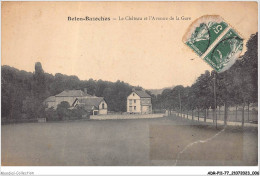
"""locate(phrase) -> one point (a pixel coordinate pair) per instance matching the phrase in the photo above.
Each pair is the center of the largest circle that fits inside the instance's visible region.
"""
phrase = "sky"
(148, 53)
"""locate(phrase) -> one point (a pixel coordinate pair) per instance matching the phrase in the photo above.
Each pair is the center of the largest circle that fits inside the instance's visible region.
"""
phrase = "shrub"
(63, 111)
(51, 114)
(78, 112)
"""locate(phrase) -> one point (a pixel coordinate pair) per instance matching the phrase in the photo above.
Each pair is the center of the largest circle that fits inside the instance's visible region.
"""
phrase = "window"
(130, 102)
(133, 94)
(134, 107)
(130, 108)
(134, 101)
(103, 106)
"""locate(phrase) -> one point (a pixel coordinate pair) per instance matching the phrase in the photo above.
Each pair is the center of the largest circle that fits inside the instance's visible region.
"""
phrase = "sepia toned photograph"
(129, 84)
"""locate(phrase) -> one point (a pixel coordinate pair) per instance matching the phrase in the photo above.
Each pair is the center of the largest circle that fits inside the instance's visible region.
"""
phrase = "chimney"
(133, 89)
(85, 90)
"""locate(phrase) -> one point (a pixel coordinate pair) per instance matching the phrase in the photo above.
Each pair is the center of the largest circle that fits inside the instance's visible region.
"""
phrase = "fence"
(232, 116)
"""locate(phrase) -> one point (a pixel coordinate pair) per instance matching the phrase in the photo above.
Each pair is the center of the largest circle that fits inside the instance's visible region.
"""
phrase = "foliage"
(63, 110)
(33, 108)
(236, 86)
(78, 112)
(51, 114)
(23, 92)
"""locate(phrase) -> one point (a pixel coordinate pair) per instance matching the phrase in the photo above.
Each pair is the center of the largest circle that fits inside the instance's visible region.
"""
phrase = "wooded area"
(235, 87)
(23, 92)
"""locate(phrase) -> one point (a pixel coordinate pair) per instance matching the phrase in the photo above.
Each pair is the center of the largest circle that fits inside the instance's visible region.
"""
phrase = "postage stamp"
(214, 41)
(224, 54)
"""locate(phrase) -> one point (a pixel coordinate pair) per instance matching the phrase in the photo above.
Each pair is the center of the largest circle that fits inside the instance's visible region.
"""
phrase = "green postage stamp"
(214, 41)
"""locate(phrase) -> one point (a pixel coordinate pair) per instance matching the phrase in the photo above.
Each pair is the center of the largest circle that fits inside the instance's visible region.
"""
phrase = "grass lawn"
(138, 142)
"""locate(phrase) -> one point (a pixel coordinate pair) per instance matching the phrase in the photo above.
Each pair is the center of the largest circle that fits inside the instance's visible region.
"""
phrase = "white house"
(139, 102)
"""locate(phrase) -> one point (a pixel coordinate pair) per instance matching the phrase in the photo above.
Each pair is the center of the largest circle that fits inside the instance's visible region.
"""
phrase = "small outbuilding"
(94, 105)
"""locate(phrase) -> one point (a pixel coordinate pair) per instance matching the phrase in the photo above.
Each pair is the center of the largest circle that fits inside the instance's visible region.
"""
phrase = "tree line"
(238, 86)
(23, 92)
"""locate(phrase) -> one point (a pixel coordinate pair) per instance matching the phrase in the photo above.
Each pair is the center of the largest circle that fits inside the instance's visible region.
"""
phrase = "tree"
(177, 97)
(250, 68)
(191, 103)
(39, 88)
(78, 112)
(203, 91)
(23, 92)
(250, 65)
(15, 86)
(63, 110)
(51, 114)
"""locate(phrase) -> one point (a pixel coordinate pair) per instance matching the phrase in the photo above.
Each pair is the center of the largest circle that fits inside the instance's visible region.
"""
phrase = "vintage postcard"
(130, 84)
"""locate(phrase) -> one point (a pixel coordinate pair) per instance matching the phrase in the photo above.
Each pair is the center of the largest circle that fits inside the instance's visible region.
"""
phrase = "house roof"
(91, 101)
(142, 94)
(72, 93)
(50, 99)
